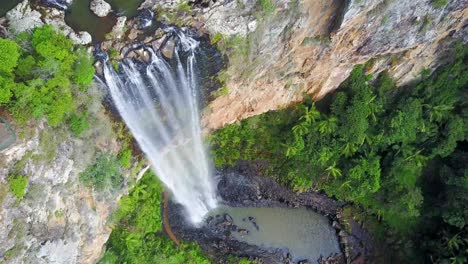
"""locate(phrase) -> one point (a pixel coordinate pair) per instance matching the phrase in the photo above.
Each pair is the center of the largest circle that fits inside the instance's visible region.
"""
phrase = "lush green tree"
(374, 146)
(44, 79)
(9, 55)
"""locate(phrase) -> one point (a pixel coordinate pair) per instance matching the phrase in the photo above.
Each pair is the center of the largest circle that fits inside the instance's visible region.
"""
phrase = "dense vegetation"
(105, 173)
(18, 185)
(138, 238)
(41, 75)
(398, 155)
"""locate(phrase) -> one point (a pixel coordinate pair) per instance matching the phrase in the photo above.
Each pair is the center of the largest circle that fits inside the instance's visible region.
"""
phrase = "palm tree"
(333, 171)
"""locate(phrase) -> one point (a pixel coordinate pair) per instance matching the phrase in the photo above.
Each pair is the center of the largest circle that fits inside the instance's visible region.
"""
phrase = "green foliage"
(267, 6)
(9, 55)
(216, 38)
(370, 146)
(105, 173)
(83, 68)
(183, 6)
(42, 79)
(439, 3)
(137, 239)
(18, 185)
(78, 123)
(220, 92)
(125, 157)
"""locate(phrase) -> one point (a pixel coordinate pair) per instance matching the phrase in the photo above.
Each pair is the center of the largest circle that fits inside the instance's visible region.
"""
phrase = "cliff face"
(59, 220)
(311, 46)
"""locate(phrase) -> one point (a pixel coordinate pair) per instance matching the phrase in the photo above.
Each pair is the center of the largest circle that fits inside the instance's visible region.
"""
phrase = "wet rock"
(156, 44)
(80, 38)
(99, 68)
(145, 18)
(23, 18)
(59, 4)
(133, 34)
(243, 232)
(139, 54)
(118, 29)
(100, 7)
(168, 49)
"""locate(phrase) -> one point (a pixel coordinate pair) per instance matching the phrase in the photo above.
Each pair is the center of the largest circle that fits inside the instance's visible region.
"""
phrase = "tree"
(9, 55)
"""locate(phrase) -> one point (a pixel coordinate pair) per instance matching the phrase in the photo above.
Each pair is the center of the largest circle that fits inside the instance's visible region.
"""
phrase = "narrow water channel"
(306, 234)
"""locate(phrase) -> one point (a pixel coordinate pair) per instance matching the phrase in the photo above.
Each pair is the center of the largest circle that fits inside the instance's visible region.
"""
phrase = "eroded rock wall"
(311, 46)
(59, 220)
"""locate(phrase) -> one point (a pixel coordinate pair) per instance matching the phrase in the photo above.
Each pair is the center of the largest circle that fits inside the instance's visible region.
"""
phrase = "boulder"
(168, 49)
(23, 18)
(100, 7)
(118, 29)
(80, 38)
(145, 18)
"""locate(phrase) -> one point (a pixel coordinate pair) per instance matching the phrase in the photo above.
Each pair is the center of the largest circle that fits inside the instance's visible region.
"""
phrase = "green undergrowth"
(105, 173)
(18, 185)
(370, 144)
(137, 234)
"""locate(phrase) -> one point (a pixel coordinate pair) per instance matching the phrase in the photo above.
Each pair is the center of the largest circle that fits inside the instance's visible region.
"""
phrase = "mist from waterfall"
(159, 102)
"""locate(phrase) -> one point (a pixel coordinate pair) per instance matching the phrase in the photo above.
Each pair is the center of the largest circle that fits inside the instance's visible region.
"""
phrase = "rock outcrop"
(312, 46)
(25, 18)
(100, 7)
(59, 220)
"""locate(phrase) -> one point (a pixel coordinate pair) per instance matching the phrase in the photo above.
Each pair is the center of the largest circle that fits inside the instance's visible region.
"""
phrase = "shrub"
(103, 174)
(9, 55)
(83, 69)
(78, 123)
(125, 157)
(439, 3)
(18, 186)
(267, 6)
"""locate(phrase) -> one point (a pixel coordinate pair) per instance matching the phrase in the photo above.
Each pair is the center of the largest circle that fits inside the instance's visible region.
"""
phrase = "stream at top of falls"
(159, 102)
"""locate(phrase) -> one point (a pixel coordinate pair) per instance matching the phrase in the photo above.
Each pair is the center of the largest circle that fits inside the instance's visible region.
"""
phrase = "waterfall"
(159, 102)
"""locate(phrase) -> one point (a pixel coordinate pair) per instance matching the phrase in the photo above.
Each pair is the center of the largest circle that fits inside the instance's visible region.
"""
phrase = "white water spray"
(159, 104)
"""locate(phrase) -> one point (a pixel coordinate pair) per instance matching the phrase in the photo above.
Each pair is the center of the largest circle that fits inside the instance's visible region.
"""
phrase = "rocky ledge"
(240, 187)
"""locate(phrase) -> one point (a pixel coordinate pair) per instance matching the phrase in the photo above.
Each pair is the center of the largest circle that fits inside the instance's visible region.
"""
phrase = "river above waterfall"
(7, 5)
(81, 18)
(304, 233)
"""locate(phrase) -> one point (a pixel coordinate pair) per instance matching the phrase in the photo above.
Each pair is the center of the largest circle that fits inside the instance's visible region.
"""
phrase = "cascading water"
(160, 105)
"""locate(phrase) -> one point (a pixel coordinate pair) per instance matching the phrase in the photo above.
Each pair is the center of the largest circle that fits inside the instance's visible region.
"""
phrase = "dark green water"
(126, 8)
(81, 18)
(307, 235)
(7, 5)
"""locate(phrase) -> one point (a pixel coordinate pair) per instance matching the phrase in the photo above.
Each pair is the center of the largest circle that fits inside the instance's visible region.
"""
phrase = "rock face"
(24, 18)
(312, 46)
(58, 220)
(100, 7)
